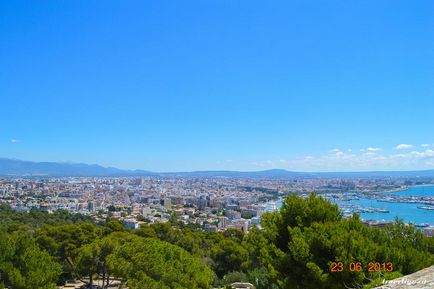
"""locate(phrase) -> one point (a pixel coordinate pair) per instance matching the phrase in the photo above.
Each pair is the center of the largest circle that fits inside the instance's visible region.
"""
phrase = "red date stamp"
(359, 267)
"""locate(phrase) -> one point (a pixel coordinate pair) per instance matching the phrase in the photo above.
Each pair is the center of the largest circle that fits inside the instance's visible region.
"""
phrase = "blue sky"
(215, 84)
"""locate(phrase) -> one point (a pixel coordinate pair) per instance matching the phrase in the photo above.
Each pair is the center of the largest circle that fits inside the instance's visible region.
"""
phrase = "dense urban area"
(211, 203)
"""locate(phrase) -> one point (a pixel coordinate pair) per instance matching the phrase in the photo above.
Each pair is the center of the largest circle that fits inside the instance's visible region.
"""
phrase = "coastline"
(423, 185)
(406, 188)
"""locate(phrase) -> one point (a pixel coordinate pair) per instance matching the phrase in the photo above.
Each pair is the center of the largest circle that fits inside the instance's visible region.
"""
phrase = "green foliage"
(63, 241)
(87, 261)
(150, 263)
(230, 278)
(308, 234)
(294, 249)
(234, 234)
(114, 226)
(23, 265)
(261, 278)
(228, 256)
(246, 215)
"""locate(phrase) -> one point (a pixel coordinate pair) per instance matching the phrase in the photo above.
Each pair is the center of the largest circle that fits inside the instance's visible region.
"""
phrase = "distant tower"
(90, 206)
(223, 222)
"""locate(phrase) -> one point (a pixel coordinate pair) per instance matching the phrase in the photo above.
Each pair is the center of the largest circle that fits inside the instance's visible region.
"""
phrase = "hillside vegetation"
(295, 249)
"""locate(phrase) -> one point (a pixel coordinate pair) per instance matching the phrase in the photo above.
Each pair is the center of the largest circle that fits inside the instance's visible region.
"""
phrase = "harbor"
(413, 205)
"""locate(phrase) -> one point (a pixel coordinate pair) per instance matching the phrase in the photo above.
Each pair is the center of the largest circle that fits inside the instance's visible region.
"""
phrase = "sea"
(408, 212)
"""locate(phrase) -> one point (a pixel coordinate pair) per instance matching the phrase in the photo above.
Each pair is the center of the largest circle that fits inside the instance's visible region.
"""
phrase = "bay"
(408, 212)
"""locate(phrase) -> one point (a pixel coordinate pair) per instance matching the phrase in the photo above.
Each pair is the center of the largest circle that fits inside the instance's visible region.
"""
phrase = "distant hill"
(13, 167)
(375, 174)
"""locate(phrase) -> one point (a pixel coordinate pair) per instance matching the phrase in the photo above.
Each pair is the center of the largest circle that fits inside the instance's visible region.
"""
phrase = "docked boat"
(430, 208)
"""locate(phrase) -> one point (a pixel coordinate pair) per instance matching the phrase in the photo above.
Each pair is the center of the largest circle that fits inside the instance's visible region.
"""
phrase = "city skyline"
(212, 85)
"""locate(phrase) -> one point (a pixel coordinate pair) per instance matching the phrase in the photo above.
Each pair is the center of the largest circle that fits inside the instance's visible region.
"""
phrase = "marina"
(413, 205)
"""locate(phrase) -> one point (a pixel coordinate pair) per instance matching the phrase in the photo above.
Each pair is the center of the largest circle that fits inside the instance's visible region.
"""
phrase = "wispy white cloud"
(403, 146)
(14, 140)
(348, 161)
(425, 154)
(373, 150)
(334, 150)
(425, 145)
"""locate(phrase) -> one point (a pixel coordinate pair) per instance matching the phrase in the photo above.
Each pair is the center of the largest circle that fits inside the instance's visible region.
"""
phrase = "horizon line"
(222, 170)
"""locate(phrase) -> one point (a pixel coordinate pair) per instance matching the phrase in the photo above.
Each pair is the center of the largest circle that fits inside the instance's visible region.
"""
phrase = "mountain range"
(14, 167)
